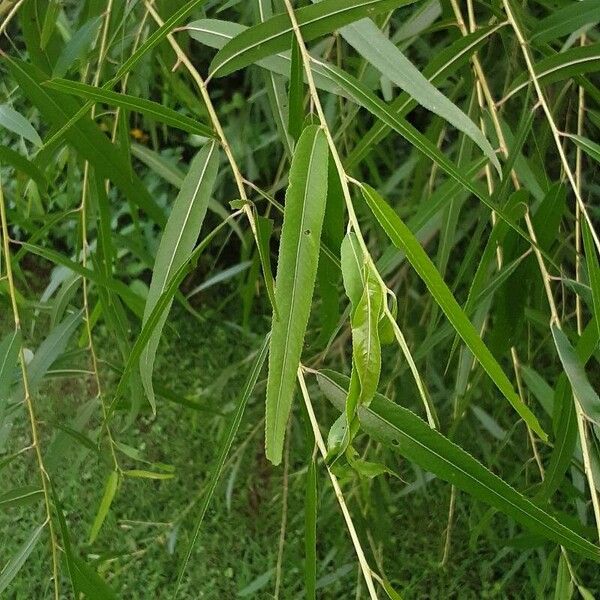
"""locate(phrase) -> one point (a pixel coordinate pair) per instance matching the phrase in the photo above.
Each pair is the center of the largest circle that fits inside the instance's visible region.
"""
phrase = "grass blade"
(225, 446)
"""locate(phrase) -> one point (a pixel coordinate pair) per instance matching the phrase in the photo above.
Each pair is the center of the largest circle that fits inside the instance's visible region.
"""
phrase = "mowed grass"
(141, 544)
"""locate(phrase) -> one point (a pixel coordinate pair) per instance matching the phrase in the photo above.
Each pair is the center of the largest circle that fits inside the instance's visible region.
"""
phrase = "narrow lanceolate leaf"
(403, 431)
(363, 96)
(404, 239)
(275, 34)
(566, 20)
(49, 350)
(157, 314)
(14, 121)
(310, 531)
(580, 59)
(296, 93)
(19, 496)
(442, 64)
(154, 110)
(582, 389)
(368, 40)
(224, 449)
(177, 242)
(86, 137)
(592, 149)
(20, 163)
(216, 33)
(16, 561)
(276, 89)
(76, 47)
(295, 282)
(565, 438)
(9, 355)
(264, 229)
(593, 267)
(110, 489)
(366, 348)
(153, 40)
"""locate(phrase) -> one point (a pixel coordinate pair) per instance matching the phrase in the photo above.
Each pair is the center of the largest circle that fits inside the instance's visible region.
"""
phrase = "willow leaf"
(582, 389)
(593, 268)
(16, 561)
(381, 110)
(592, 149)
(403, 238)
(406, 433)
(566, 20)
(442, 64)
(110, 489)
(580, 59)
(9, 355)
(86, 137)
(158, 314)
(216, 33)
(152, 41)
(20, 496)
(275, 34)
(176, 243)
(368, 40)
(154, 110)
(49, 350)
(22, 164)
(14, 121)
(295, 281)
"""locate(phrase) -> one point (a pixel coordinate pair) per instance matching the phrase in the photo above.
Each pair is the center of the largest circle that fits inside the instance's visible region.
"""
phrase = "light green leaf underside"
(368, 40)
(14, 121)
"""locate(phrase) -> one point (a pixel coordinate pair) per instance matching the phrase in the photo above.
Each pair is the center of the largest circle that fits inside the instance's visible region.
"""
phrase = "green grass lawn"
(140, 545)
